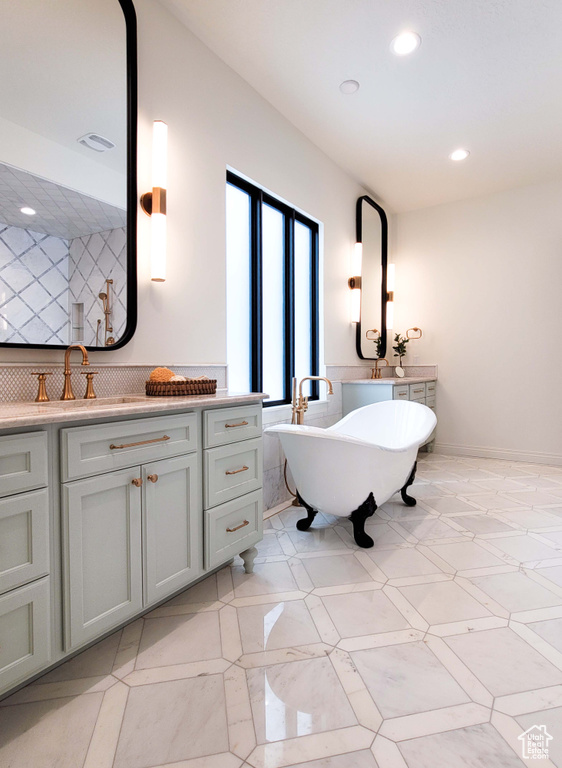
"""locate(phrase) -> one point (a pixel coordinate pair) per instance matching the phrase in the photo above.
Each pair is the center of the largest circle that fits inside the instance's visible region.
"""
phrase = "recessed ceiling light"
(349, 86)
(405, 43)
(28, 211)
(459, 154)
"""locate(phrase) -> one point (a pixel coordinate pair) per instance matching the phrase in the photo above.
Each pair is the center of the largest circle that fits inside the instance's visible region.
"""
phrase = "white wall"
(215, 119)
(483, 279)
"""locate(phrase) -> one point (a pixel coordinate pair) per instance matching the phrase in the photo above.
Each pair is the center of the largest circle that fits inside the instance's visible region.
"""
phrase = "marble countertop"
(13, 414)
(393, 380)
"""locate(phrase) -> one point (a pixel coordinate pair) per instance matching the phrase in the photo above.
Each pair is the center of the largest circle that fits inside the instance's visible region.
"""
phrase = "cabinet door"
(102, 554)
(172, 525)
(24, 632)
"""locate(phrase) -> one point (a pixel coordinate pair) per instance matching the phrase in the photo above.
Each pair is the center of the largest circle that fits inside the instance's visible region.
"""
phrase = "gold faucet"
(376, 371)
(67, 393)
(300, 406)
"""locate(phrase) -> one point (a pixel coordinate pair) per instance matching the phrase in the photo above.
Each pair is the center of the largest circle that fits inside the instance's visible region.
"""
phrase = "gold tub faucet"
(67, 393)
(300, 406)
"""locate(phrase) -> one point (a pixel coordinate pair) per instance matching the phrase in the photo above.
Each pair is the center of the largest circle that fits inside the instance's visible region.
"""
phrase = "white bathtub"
(366, 457)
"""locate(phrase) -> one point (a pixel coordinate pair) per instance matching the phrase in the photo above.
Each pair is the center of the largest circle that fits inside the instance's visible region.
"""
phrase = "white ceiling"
(488, 77)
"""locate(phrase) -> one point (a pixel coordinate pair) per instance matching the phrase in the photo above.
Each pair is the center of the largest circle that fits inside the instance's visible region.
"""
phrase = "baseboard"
(531, 457)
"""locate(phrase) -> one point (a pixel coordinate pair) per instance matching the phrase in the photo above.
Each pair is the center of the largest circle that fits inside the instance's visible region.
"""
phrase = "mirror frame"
(132, 104)
(384, 258)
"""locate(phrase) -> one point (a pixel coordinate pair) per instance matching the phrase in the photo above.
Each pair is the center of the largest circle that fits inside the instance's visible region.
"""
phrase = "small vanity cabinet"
(362, 392)
(140, 505)
(232, 482)
(24, 556)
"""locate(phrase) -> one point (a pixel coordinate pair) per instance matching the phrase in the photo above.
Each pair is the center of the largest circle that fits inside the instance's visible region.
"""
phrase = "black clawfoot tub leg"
(359, 517)
(306, 522)
(409, 500)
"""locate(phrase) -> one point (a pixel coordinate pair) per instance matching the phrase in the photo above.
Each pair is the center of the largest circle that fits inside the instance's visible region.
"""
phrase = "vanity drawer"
(417, 391)
(24, 632)
(229, 425)
(231, 471)
(430, 401)
(23, 462)
(232, 527)
(430, 388)
(24, 538)
(104, 447)
(400, 392)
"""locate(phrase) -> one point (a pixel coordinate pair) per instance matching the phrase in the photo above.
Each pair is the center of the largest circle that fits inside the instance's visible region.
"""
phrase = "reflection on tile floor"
(438, 647)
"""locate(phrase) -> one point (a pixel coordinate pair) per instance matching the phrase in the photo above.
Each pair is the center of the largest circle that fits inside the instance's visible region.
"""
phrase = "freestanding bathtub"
(357, 464)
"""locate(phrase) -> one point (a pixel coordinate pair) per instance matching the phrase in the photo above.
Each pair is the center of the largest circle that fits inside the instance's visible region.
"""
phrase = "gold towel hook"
(415, 330)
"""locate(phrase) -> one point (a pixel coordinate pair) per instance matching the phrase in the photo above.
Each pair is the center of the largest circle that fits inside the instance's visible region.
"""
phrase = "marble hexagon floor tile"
(504, 662)
(297, 699)
(329, 656)
(407, 679)
(479, 746)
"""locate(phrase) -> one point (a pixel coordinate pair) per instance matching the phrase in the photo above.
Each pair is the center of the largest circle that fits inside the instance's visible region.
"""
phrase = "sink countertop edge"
(25, 414)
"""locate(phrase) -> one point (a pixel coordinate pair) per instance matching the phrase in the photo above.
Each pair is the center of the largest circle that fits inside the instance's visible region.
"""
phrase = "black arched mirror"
(68, 197)
(372, 232)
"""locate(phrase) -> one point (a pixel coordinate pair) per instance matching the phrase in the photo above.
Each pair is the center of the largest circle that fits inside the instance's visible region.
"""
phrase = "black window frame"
(258, 197)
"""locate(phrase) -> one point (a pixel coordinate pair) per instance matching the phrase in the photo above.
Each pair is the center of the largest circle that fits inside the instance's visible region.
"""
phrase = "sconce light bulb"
(158, 247)
(390, 277)
(355, 305)
(159, 154)
(357, 259)
(389, 315)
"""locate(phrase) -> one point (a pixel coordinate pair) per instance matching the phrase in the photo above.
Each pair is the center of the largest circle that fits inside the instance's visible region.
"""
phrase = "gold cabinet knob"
(137, 481)
(152, 478)
(42, 396)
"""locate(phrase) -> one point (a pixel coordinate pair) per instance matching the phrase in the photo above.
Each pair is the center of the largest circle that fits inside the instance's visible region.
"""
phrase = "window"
(272, 293)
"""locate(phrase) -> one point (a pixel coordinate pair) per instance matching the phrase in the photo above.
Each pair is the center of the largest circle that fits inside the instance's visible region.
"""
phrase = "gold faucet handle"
(90, 394)
(42, 396)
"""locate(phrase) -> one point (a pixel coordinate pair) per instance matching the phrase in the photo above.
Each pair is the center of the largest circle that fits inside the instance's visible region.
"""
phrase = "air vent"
(96, 142)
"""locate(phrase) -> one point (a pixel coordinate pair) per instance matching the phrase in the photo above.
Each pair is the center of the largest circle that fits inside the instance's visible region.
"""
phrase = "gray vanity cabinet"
(24, 557)
(132, 536)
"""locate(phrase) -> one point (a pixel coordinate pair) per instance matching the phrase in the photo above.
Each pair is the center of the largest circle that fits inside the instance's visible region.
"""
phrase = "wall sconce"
(390, 275)
(154, 203)
(355, 282)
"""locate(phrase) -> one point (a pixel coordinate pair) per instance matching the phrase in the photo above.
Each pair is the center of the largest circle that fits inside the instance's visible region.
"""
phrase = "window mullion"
(289, 362)
(256, 362)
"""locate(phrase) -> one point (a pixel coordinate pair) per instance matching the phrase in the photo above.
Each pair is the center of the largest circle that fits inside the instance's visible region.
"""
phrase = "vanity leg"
(306, 522)
(409, 500)
(248, 556)
(359, 517)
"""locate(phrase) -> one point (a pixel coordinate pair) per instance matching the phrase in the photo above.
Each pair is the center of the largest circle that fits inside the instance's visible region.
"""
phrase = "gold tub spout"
(67, 393)
(300, 406)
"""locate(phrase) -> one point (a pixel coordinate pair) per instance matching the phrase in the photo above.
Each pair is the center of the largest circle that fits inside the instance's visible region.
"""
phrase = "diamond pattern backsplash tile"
(34, 291)
(18, 385)
(41, 276)
(93, 260)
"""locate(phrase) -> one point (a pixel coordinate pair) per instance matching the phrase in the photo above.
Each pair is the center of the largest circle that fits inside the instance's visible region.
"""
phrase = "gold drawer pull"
(142, 442)
(137, 481)
(241, 424)
(152, 478)
(417, 391)
(236, 471)
(231, 530)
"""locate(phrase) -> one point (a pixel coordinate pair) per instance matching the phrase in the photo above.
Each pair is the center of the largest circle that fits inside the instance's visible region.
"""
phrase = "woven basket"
(181, 388)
